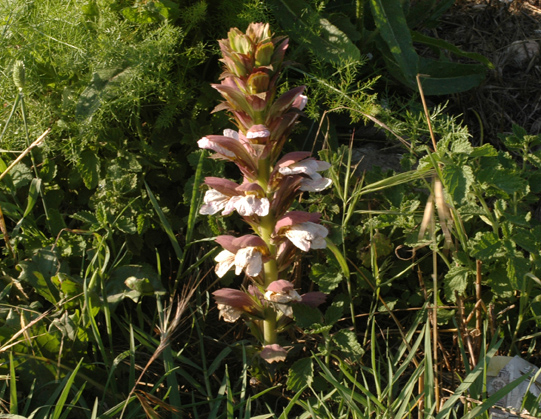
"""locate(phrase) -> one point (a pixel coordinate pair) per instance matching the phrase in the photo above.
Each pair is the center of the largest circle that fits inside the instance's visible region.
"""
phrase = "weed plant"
(105, 307)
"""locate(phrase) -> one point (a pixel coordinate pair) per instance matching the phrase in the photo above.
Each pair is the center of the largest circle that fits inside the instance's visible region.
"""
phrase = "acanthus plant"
(253, 62)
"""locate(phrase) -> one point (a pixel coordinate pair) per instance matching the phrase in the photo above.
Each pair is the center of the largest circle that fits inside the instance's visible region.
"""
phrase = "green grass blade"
(195, 197)
(468, 381)
(13, 401)
(492, 400)
(65, 392)
(165, 224)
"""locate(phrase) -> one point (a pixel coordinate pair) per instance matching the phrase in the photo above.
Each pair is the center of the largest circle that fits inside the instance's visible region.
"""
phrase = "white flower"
(214, 202)
(281, 293)
(225, 260)
(307, 235)
(247, 205)
(308, 167)
(250, 260)
(228, 313)
(315, 183)
(208, 144)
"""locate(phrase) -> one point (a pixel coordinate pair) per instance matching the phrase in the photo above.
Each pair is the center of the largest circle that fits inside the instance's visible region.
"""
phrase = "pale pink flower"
(299, 163)
(247, 199)
(214, 202)
(246, 253)
(282, 293)
(250, 201)
(273, 353)
(230, 148)
(307, 236)
(301, 229)
(233, 303)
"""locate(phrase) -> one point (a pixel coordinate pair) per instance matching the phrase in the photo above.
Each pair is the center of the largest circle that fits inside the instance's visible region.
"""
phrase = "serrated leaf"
(486, 246)
(456, 281)
(301, 374)
(305, 316)
(517, 268)
(85, 217)
(327, 279)
(89, 167)
(486, 150)
(334, 312)
(348, 343)
(458, 180)
(505, 180)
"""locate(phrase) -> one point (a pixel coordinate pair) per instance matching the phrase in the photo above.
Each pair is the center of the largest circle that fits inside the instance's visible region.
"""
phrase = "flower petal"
(273, 353)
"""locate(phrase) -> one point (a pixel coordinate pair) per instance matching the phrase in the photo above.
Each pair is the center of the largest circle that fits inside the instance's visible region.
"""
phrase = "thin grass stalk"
(34, 166)
(13, 400)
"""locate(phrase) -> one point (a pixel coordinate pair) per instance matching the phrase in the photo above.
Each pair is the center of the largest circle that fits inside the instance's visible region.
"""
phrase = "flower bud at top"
(258, 82)
(19, 74)
(239, 42)
(263, 54)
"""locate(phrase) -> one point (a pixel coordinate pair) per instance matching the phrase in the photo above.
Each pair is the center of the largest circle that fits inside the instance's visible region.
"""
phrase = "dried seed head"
(19, 74)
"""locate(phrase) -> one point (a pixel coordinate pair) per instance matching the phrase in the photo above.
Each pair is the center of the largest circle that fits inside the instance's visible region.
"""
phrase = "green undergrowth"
(106, 268)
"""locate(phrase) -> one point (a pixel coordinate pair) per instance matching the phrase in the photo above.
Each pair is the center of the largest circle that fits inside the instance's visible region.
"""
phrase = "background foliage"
(104, 300)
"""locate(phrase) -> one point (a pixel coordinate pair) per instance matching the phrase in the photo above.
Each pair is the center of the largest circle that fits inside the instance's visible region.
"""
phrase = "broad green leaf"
(391, 22)
(486, 246)
(301, 374)
(327, 278)
(33, 194)
(89, 167)
(132, 281)
(456, 281)
(441, 44)
(517, 268)
(334, 312)
(447, 77)
(348, 343)
(457, 181)
(38, 273)
(314, 32)
(486, 150)
(102, 80)
(503, 179)
(305, 316)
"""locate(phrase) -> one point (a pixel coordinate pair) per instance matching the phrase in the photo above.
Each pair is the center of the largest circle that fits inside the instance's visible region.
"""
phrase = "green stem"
(269, 327)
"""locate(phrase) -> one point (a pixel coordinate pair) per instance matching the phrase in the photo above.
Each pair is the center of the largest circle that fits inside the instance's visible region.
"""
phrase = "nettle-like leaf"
(486, 246)
(456, 281)
(301, 374)
(517, 268)
(501, 179)
(334, 312)
(326, 277)
(88, 166)
(307, 317)
(458, 181)
(347, 342)
(499, 283)
(38, 272)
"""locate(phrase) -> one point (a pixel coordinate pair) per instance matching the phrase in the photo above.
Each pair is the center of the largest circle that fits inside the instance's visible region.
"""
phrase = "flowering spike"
(252, 63)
